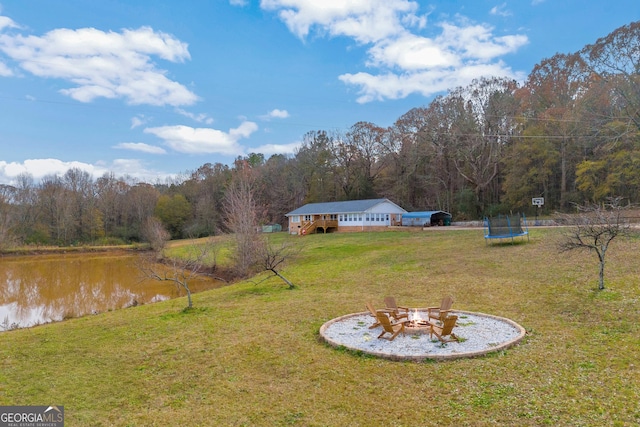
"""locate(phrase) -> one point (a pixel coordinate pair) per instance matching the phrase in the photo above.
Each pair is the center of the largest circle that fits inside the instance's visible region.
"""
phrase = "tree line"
(570, 133)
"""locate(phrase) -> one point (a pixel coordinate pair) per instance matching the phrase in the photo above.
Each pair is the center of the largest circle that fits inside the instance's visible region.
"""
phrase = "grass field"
(249, 354)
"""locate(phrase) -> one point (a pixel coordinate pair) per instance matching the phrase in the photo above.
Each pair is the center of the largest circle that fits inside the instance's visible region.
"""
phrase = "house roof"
(351, 206)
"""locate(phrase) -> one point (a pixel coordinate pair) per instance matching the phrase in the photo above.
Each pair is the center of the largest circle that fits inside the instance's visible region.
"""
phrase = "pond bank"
(53, 250)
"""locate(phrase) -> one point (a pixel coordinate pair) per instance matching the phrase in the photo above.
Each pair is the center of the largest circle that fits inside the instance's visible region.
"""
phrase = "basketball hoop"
(537, 201)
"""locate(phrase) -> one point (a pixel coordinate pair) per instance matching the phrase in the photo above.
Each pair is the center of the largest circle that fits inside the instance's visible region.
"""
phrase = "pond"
(39, 289)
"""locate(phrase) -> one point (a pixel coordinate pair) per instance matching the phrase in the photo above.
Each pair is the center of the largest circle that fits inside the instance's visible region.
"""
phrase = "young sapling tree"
(179, 271)
(593, 228)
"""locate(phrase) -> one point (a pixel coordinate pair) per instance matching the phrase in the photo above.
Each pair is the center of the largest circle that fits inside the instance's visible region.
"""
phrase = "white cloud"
(238, 2)
(6, 22)
(275, 114)
(500, 10)
(363, 20)
(270, 149)
(190, 140)
(477, 41)
(104, 64)
(401, 60)
(426, 83)
(200, 118)
(39, 168)
(137, 121)
(415, 64)
(5, 71)
(140, 146)
(136, 169)
(411, 52)
(395, 86)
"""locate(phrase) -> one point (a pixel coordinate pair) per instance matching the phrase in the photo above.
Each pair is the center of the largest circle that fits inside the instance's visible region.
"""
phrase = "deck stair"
(322, 224)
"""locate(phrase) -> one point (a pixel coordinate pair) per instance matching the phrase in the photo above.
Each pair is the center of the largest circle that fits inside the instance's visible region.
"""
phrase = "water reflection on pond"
(43, 288)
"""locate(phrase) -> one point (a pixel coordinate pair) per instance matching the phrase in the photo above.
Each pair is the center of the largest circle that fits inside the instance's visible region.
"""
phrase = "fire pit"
(480, 334)
(418, 322)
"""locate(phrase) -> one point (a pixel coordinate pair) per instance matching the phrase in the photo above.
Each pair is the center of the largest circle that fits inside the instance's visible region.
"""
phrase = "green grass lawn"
(249, 354)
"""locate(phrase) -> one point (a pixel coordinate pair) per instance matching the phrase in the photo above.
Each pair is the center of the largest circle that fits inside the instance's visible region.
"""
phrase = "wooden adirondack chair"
(374, 314)
(445, 330)
(389, 327)
(397, 312)
(439, 313)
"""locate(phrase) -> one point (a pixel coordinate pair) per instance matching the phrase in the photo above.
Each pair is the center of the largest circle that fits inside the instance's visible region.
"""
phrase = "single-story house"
(426, 219)
(353, 215)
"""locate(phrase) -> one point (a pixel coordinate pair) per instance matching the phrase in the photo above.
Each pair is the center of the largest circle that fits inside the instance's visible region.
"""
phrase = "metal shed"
(271, 228)
(426, 219)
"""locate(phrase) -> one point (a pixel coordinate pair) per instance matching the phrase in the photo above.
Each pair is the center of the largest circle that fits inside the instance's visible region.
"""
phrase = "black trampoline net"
(505, 225)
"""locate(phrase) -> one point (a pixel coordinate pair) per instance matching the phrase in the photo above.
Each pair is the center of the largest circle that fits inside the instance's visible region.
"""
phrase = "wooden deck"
(309, 227)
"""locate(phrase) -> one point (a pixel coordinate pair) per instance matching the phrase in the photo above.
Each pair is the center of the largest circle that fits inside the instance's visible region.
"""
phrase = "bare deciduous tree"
(7, 238)
(271, 258)
(179, 271)
(242, 221)
(593, 229)
(253, 251)
(154, 232)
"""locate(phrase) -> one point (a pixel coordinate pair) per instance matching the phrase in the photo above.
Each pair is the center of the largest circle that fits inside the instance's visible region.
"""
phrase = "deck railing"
(324, 224)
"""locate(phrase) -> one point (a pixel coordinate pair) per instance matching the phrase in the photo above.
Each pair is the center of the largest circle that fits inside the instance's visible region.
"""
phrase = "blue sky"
(155, 89)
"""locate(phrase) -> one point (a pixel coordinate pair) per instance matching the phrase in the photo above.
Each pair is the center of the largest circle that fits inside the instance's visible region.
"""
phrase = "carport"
(426, 219)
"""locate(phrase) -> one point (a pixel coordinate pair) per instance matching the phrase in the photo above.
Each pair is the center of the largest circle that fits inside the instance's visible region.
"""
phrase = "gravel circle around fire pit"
(479, 334)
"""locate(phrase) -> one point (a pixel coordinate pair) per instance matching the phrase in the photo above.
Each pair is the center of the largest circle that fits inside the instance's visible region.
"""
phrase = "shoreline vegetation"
(44, 250)
(130, 247)
(250, 354)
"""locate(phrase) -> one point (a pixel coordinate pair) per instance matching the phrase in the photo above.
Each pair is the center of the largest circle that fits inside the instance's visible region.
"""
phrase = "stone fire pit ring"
(480, 334)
